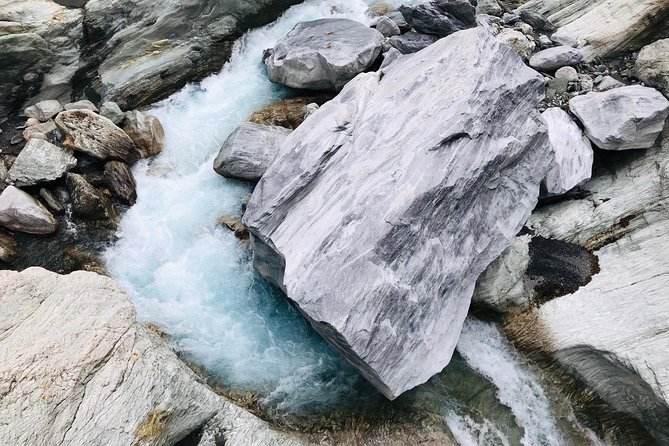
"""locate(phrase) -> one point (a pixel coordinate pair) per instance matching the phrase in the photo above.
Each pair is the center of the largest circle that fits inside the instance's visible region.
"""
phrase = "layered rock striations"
(77, 368)
(382, 209)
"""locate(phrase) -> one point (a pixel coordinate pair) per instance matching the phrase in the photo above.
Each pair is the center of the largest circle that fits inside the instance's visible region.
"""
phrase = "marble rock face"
(614, 332)
(605, 28)
(323, 54)
(248, 151)
(40, 161)
(573, 155)
(622, 118)
(77, 368)
(381, 210)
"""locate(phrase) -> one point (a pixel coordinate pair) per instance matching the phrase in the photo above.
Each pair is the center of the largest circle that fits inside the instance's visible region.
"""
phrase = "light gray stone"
(84, 104)
(77, 368)
(567, 73)
(623, 118)
(586, 82)
(652, 65)
(556, 57)
(604, 28)
(387, 27)
(572, 153)
(40, 161)
(44, 110)
(113, 112)
(48, 129)
(248, 151)
(95, 135)
(382, 209)
(323, 54)
(21, 212)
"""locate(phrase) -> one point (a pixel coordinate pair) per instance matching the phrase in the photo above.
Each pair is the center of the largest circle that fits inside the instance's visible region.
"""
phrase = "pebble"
(568, 73)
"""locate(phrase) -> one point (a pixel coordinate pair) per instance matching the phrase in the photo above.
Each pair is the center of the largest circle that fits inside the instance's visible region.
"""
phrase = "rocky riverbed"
(402, 194)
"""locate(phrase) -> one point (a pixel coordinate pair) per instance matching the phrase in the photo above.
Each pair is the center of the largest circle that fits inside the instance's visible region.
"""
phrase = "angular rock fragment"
(87, 201)
(44, 110)
(248, 151)
(48, 129)
(572, 153)
(113, 112)
(622, 118)
(52, 201)
(518, 41)
(652, 65)
(323, 54)
(9, 250)
(440, 17)
(288, 113)
(551, 59)
(382, 209)
(21, 212)
(40, 161)
(387, 27)
(146, 132)
(95, 135)
(120, 181)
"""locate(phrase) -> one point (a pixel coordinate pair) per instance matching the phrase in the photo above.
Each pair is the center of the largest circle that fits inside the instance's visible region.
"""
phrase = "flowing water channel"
(195, 280)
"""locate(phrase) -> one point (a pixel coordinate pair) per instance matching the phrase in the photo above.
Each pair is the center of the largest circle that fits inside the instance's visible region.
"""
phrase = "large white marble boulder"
(323, 54)
(381, 210)
(573, 155)
(76, 368)
(622, 118)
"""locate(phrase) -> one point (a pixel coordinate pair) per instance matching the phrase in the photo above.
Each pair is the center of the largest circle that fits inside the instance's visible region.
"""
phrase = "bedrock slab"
(381, 210)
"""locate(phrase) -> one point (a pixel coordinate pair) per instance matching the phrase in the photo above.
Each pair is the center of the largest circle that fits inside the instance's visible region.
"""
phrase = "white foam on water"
(484, 348)
(468, 432)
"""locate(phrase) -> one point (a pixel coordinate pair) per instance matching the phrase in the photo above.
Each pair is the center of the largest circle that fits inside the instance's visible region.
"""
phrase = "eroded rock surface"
(70, 343)
(323, 54)
(382, 209)
(146, 132)
(652, 65)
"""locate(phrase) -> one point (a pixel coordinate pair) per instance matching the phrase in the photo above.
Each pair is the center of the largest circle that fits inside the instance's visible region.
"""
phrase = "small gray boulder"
(551, 59)
(113, 112)
(84, 104)
(44, 110)
(323, 54)
(652, 65)
(623, 118)
(387, 27)
(248, 151)
(440, 17)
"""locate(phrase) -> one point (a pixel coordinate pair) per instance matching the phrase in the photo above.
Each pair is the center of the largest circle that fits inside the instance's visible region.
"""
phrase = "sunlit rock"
(21, 212)
(622, 118)
(382, 209)
(40, 161)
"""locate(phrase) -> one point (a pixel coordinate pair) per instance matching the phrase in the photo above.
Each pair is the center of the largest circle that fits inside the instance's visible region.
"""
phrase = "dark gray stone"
(440, 17)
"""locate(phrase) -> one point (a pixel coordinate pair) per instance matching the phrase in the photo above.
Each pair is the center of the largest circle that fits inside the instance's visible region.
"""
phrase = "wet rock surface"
(146, 132)
(120, 181)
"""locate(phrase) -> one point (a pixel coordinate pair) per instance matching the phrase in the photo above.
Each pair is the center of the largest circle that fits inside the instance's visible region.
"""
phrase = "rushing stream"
(196, 281)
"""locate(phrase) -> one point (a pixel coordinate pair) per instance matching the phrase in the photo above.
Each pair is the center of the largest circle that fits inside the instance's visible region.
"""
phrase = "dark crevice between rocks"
(193, 438)
(608, 396)
(557, 268)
